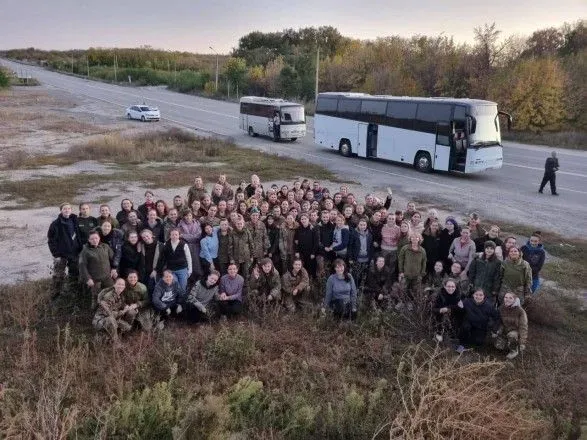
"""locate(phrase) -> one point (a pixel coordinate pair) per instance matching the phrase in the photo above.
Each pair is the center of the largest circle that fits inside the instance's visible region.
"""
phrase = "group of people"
(219, 249)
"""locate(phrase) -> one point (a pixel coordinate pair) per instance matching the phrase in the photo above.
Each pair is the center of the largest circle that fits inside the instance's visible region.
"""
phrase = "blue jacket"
(209, 246)
(535, 257)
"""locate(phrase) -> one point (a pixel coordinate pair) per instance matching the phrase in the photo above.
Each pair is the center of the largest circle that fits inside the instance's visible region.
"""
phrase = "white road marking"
(572, 190)
(566, 173)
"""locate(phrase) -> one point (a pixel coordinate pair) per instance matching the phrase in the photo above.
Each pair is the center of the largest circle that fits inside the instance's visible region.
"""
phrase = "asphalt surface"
(509, 194)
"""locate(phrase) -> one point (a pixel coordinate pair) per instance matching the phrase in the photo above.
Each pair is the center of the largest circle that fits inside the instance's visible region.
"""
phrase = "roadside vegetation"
(162, 159)
(538, 78)
(280, 377)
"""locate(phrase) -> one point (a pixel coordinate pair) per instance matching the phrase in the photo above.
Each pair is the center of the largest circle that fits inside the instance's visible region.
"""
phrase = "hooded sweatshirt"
(535, 256)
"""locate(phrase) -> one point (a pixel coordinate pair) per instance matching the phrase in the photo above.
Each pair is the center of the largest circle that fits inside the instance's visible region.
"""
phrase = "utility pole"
(317, 74)
(216, 67)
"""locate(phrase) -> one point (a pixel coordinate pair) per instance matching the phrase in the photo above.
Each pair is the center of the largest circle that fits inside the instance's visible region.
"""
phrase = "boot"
(512, 354)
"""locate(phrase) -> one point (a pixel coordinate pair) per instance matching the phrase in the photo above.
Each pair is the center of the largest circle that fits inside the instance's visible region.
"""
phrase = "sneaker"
(555, 194)
(512, 354)
(540, 191)
(438, 337)
(460, 349)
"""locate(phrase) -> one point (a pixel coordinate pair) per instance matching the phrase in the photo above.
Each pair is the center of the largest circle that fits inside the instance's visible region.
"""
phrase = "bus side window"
(327, 106)
(401, 114)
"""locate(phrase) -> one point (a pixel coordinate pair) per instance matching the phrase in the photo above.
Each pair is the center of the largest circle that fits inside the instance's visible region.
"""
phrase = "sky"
(195, 25)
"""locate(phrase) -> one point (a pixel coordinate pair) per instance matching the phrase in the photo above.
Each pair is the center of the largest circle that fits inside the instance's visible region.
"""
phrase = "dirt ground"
(44, 121)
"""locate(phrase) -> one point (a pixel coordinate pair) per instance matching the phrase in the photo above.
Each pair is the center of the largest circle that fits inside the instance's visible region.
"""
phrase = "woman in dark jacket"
(126, 207)
(306, 244)
(484, 272)
(431, 244)
(273, 235)
(479, 316)
(446, 310)
(132, 258)
(113, 238)
(447, 236)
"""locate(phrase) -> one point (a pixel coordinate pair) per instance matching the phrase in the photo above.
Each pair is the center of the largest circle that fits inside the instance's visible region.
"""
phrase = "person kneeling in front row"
(113, 315)
(479, 316)
(513, 332)
(168, 295)
(201, 301)
(341, 292)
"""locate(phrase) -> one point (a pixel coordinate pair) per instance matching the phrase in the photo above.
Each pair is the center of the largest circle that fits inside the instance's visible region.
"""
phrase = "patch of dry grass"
(286, 377)
(172, 146)
(70, 125)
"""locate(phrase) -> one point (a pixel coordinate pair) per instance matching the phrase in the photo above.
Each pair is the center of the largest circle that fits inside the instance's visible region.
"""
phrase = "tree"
(544, 42)
(235, 70)
(533, 90)
(289, 82)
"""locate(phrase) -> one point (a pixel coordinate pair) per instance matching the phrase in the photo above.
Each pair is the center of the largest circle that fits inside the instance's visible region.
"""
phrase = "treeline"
(182, 71)
(540, 78)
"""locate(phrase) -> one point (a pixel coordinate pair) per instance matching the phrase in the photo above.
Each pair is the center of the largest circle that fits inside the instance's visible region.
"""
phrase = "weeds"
(442, 398)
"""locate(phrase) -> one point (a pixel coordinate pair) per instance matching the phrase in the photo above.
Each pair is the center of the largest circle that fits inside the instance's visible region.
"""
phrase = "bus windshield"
(293, 115)
(486, 128)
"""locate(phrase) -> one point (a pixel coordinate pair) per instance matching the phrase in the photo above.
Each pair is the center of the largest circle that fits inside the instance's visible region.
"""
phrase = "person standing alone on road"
(276, 126)
(550, 168)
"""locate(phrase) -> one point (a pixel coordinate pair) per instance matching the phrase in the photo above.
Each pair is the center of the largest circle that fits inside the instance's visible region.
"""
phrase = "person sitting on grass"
(113, 315)
(200, 303)
(446, 310)
(479, 316)
(265, 283)
(136, 293)
(168, 295)
(295, 285)
(341, 293)
(513, 332)
(230, 298)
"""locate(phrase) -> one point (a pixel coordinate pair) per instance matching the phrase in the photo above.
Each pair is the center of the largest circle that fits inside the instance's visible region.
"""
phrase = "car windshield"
(293, 114)
(144, 108)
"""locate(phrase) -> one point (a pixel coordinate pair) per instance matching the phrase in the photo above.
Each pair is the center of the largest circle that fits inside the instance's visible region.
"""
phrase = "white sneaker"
(512, 354)
(438, 337)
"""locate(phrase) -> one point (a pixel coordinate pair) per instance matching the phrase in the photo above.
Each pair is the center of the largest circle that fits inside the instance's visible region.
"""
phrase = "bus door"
(442, 147)
(372, 140)
(459, 144)
(362, 140)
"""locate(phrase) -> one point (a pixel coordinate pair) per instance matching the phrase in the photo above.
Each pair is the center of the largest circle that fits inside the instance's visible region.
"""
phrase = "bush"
(142, 415)
(444, 398)
(4, 79)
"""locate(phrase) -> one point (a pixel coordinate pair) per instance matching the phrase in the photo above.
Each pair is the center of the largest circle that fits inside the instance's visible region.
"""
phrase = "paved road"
(509, 194)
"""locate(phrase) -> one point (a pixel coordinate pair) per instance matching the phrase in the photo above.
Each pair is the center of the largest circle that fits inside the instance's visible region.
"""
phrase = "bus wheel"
(345, 148)
(252, 132)
(423, 162)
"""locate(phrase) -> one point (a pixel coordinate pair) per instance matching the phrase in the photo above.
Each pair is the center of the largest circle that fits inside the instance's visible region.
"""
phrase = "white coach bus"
(444, 134)
(257, 117)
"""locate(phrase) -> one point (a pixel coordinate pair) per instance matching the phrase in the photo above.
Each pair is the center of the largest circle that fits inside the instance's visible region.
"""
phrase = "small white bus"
(277, 118)
(445, 134)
